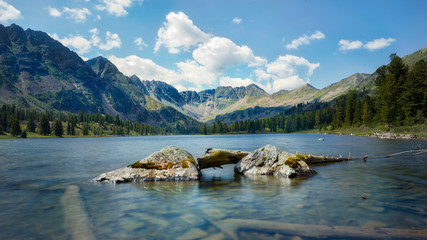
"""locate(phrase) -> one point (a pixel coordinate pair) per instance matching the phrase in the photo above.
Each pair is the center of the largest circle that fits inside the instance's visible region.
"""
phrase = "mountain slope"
(38, 72)
(411, 59)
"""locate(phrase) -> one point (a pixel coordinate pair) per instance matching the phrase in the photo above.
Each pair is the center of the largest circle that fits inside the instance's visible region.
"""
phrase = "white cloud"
(349, 45)
(8, 12)
(304, 40)
(286, 72)
(77, 14)
(81, 44)
(54, 12)
(236, 20)
(196, 74)
(234, 82)
(371, 45)
(112, 40)
(145, 69)
(220, 53)
(178, 33)
(379, 43)
(116, 7)
(140, 43)
(95, 38)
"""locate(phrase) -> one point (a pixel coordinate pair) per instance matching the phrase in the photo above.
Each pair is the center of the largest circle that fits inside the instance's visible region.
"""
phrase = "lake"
(47, 193)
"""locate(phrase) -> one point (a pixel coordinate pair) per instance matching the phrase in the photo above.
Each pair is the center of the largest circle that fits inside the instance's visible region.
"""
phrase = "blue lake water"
(36, 173)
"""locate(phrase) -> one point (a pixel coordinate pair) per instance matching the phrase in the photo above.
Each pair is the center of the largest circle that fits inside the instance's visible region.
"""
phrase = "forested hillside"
(399, 99)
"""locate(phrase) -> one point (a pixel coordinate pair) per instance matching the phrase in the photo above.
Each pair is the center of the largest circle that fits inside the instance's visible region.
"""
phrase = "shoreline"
(378, 135)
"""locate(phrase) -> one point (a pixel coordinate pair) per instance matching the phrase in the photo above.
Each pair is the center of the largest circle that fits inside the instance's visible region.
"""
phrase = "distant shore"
(366, 132)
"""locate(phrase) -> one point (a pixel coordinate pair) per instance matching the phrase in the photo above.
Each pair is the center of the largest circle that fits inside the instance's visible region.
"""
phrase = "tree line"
(21, 121)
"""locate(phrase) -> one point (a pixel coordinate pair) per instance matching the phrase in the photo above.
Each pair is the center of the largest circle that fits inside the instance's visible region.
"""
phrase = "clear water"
(35, 173)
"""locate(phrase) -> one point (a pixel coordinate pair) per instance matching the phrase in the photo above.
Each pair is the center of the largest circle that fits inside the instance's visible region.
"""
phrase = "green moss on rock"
(293, 161)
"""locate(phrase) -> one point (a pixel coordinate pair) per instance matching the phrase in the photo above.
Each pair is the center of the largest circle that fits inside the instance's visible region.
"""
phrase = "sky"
(202, 44)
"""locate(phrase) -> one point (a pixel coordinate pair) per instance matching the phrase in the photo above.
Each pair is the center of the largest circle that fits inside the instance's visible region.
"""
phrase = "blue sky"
(200, 44)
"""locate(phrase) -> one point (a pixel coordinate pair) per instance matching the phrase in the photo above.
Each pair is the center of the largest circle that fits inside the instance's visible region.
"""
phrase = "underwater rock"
(270, 160)
(169, 164)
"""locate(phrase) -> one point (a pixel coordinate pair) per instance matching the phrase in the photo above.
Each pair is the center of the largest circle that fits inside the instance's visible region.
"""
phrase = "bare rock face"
(270, 160)
(169, 164)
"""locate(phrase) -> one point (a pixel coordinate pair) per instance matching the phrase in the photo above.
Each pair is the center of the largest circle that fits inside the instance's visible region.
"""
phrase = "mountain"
(411, 59)
(38, 72)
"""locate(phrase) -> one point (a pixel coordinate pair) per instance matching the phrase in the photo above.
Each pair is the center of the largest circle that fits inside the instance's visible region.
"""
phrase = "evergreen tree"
(358, 113)
(415, 90)
(31, 125)
(15, 128)
(58, 129)
(205, 130)
(350, 108)
(86, 129)
(367, 110)
(24, 134)
(44, 126)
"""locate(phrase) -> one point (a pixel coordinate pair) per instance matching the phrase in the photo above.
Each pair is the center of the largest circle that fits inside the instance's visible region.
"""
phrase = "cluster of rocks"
(176, 164)
(389, 135)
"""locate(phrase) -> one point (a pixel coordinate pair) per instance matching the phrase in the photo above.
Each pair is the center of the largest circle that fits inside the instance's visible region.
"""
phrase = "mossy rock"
(293, 161)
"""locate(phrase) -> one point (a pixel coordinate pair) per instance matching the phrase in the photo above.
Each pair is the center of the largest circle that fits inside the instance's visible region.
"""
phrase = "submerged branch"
(232, 227)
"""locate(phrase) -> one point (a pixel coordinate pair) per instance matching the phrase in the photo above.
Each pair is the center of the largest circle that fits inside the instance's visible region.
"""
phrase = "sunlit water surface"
(35, 173)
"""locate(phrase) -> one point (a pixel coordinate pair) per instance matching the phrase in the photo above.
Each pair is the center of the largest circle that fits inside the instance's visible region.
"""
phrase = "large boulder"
(169, 164)
(270, 160)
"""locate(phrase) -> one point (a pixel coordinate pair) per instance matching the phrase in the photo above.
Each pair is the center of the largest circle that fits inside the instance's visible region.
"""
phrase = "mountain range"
(38, 72)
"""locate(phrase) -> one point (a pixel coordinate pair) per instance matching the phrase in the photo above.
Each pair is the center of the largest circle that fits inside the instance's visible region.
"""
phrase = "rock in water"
(218, 157)
(270, 160)
(169, 164)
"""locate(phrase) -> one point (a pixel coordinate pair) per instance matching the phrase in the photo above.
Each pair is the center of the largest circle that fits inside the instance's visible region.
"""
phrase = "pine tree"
(44, 126)
(31, 125)
(15, 128)
(367, 110)
(86, 129)
(350, 108)
(205, 129)
(24, 134)
(415, 89)
(58, 130)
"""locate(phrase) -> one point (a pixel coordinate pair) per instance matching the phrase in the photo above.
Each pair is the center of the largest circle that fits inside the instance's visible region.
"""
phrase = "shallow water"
(35, 174)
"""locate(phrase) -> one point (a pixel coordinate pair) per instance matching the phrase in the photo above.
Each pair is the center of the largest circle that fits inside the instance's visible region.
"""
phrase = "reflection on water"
(386, 193)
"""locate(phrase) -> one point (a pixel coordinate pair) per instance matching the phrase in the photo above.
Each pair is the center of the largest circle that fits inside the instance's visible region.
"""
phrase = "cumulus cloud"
(349, 45)
(54, 12)
(379, 43)
(371, 45)
(285, 73)
(304, 40)
(116, 7)
(236, 20)
(196, 74)
(220, 53)
(234, 82)
(8, 12)
(140, 43)
(178, 33)
(112, 40)
(212, 57)
(81, 44)
(77, 14)
(145, 69)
